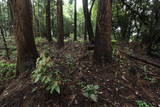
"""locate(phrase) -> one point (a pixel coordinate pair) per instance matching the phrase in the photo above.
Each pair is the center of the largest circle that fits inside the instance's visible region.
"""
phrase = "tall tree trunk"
(75, 20)
(10, 14)
(4, 42)
(60, 29)
(88, 21)
(23, 31)
(38, 21)
(103, 50)
(85, 33)
(48, 21)
(34, 19)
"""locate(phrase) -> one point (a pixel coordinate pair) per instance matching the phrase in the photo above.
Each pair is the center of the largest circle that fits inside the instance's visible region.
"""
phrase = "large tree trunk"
(88, 21)
(75, 20)
(60, 29)
(23, 31)
(103, 49)
(48, 21)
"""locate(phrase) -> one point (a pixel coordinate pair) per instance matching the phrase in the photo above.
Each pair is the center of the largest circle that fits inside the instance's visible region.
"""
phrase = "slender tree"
(60, 29)
(23, 31)
(103, 50)
(75, 20)
(48, 21)
(88, 23)
(4, 42)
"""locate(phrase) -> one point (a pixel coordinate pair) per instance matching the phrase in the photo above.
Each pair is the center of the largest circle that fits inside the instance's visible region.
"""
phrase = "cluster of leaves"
(3, 53)
(70, 61)
(143, 104)
(114, 46)
(147, 77)
(39, 40)
(91, 91)
(7, 70)
(46, 75)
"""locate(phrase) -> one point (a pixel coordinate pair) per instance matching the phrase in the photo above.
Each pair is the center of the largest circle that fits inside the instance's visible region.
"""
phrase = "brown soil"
(121, 82)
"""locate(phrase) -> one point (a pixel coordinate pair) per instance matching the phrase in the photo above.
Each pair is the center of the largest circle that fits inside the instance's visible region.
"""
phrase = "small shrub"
(7, 70)
(70, 61)
(91, 91)
(147, 77)
(39, 40)
(150, 79)
(114, 47)
(143, 104)
(145, 69)
(12, 47)
(3, 53)
(46, 75)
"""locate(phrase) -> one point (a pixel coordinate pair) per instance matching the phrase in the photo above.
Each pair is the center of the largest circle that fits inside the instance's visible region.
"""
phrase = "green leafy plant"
(7, 70)
(46, 75)
(145, 69)
(91, 91)
(147, 77)
(143, 104)
(39, 40)
(12, 47)
(3, 53)
(70, 61)
(151, 79)
(114, 47)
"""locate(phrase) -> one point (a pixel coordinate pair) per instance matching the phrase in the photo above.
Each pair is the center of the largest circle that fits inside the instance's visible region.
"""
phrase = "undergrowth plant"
(7, 70)
(146, 77)
(114, 47)
(143, 104)
(70, 61)
(46, 75)
(39, 40)
(145, 69)
(91, 92)
(3, 53)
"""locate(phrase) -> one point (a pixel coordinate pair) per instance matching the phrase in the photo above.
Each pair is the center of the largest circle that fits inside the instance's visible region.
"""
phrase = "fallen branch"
(141, 58)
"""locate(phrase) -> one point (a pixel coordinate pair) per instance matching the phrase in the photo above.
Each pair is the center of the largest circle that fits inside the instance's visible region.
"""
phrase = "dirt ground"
(122, 82)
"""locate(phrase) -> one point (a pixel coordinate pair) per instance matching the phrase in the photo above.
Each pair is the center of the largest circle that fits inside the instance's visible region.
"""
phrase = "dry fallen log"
(141, 58)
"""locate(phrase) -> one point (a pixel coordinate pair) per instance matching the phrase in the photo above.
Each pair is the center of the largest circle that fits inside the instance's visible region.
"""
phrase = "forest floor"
(126, 82)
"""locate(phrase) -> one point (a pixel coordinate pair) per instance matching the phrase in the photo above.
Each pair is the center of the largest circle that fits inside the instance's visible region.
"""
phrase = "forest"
(79, 53)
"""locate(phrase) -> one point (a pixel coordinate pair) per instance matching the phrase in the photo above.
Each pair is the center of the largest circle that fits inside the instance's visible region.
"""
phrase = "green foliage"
(147, 77)
(70, 61)
(145, 69)
(12, 47)
(3, 53)
(143, 104)
(152, 80)
(114, 46)
(39, 40)
(46, 75)
(91, 91)
(7, 70)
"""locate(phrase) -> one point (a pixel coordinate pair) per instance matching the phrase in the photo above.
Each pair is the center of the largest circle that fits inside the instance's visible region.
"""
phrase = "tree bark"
(103, 49)
(60, 29)
(23, 31)
(48, 21)
(88, 21)
(5, 43)
(85, 33)
(75, 20)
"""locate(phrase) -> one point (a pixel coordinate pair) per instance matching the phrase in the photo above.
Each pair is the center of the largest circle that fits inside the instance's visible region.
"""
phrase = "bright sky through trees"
(79, 3)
